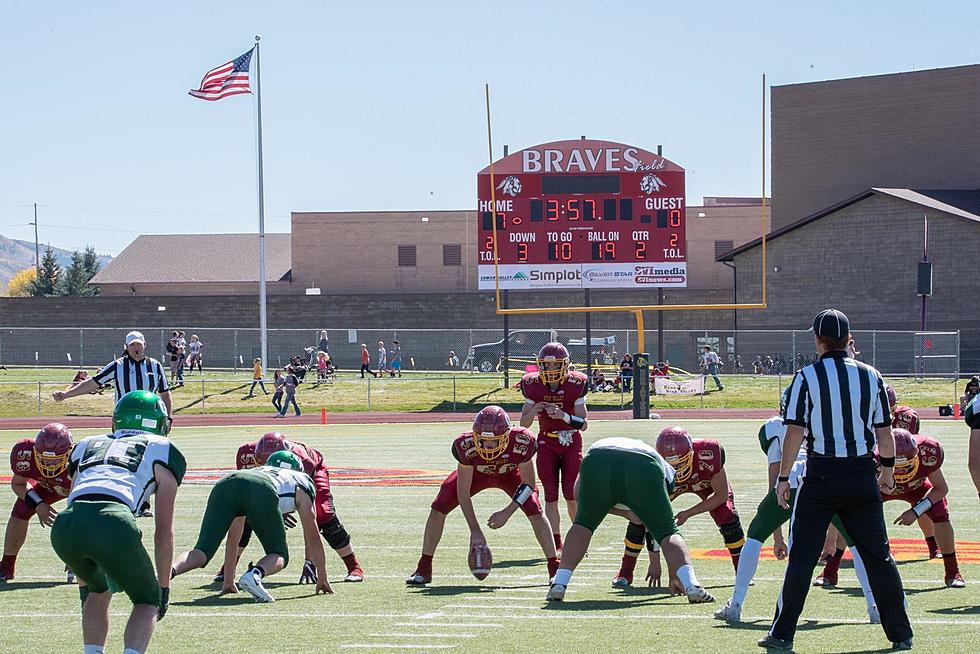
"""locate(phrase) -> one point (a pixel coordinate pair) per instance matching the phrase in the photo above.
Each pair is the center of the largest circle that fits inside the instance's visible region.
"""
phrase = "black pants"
(849, 488)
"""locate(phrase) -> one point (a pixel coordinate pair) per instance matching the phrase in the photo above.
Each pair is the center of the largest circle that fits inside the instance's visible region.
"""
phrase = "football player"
(768, 521)
(252, 454)
(629, 478)
(905, 417)
(700, 468)
(40, 479)
(919, 481)
(972, 416)
(555, 395)
(262, 496)
(97, 535)
(493, 455)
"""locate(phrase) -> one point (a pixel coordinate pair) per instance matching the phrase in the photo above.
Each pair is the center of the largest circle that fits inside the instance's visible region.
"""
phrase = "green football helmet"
(141, 411)
(284, 459)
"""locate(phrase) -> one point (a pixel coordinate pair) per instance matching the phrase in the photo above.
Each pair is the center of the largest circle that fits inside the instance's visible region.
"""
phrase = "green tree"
(91, 262)
(73, 281)
(48, 277)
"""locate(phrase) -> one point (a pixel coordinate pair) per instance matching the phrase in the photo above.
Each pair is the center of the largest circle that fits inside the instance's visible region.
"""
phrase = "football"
(480, 561)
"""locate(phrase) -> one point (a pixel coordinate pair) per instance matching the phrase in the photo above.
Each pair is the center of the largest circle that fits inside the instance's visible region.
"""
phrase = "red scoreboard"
(583, 214)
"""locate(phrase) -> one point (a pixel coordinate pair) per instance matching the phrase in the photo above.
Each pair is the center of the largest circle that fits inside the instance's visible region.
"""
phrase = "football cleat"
(826, 580)
(621, 582)
(903, 645)
(417, 579)
(252, 584)
(698, 595)
(771, 642)
(556, 593)
(219, 577)
(731, 612)
(873, 616)
(955, 581)
(6, 574)
(355, 575)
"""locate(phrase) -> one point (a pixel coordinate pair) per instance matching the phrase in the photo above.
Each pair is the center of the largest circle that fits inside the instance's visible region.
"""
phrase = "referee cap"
(831, 323)
(135, 337)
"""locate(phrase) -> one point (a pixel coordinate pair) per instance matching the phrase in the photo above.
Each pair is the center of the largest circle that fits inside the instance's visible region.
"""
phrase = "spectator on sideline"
(256, 378)
(971, 391)
(181, 359)
(195, 354)
(279, 385)
(366, 361)
(382, 358)
(709, 364)
(626, 371)
(290, 384)
(181, 340)
(453, 361)
(172, 351)
(321, 366)
(396, 359)
(323, 345)
(81, 376)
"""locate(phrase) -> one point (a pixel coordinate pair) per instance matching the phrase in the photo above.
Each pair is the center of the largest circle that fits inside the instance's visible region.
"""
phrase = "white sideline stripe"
(425, 623)
(425, 635)
(392, 646)
(234, 613)
(558, 614)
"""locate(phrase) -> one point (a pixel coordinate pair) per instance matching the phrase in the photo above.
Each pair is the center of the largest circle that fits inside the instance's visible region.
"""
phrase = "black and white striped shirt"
(128, 375)
(840, 402)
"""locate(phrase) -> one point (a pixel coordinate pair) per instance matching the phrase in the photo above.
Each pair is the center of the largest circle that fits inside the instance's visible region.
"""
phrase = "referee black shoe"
(771, 642)
(905, 644)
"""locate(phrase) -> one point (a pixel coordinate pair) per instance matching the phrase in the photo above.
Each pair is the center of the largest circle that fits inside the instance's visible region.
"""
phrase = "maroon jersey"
(520, 449)
(311, 458)
(709, 460)
(574, 387)
(22, 464)
(930, 460)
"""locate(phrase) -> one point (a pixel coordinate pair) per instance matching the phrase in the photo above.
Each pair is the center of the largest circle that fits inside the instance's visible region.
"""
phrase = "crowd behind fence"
(481, 350)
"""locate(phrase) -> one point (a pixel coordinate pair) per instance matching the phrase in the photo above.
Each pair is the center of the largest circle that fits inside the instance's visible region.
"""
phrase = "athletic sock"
(563, 576)
(8, 563)
(686, 575)
(130, 650)
(553, 564)
(557, 541)
(833, 563)
(424, 566)
(862, 574)
(950, 563)
(933, 546)
(93, 649)
(259, 570)
(747, 565)
(627, 567)
(350, 561)
(735, 556)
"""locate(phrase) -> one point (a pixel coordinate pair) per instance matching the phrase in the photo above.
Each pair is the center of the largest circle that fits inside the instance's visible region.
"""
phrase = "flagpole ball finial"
(257, 38)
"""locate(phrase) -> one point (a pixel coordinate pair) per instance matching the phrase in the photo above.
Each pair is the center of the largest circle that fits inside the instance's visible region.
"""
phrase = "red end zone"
(903, 549)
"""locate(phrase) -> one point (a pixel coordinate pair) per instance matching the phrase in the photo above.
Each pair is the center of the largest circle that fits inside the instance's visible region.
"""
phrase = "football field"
(385, 476)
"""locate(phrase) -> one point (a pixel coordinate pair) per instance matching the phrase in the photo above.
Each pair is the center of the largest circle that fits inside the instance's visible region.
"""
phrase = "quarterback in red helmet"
(40, 479)
(494, 454)
(555, 396)
(699, 466)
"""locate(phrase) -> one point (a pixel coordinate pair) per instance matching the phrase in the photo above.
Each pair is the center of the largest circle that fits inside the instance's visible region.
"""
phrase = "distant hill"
(16, 255)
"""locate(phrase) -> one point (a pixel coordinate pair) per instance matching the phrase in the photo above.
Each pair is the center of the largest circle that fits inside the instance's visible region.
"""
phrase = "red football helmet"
(676, 447)
(553, 362)
(892, 397)
(51, 448)
(270, 442)
(905, 417)
(906, 456)
(491, 432)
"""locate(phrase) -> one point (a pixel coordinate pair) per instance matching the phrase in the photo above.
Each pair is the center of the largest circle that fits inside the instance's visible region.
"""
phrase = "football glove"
(164, 603)
(309, 573)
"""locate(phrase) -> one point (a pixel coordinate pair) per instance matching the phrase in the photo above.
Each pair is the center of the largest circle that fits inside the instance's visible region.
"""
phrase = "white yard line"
(451, 625)
(421, 635)
(392, 646)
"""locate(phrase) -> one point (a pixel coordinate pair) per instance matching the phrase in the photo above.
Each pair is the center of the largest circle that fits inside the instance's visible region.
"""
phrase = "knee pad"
(335, 534)
(246, 536)
(733, 535)
(634, 537)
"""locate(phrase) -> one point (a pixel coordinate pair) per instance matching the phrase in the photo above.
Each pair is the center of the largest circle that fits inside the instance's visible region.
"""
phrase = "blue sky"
(379, 105)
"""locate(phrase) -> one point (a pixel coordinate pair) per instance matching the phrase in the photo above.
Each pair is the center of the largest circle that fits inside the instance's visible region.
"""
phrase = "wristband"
(33, 498)
(887, 461)
(924, 505)
(523, 494)
(782, 479)
(575, 421)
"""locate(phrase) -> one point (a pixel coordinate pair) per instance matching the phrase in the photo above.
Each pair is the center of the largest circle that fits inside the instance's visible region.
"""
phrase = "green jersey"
(972, 413)
(122, 465)
(772, 434)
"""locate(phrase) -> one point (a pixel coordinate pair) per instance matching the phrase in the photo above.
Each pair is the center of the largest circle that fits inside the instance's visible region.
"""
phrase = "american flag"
(227, 79)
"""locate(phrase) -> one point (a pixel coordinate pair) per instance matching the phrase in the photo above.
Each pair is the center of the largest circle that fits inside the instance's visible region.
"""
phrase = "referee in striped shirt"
(840, 406)
(134, 371)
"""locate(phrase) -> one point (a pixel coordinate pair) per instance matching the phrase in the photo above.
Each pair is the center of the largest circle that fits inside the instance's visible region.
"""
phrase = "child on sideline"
(257, 378)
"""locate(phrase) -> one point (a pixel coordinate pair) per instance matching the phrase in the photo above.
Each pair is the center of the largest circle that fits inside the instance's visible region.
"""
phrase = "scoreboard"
(583, 214)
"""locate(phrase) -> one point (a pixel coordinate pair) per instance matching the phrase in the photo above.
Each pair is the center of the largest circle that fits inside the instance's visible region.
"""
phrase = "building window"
(721, 247)
(452, 255)
(406, 255)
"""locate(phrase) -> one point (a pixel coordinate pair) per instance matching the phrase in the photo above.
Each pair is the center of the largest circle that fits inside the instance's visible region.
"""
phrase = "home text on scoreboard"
(582, 214)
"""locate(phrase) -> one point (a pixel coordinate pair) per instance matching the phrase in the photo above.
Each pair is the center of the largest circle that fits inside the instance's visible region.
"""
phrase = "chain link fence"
(482, 350)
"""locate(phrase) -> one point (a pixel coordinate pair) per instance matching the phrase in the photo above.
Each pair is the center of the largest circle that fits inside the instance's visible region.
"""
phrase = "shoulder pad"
(577, 377)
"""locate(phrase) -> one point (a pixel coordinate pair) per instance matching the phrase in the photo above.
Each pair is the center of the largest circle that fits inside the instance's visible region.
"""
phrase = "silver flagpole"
(263, 318)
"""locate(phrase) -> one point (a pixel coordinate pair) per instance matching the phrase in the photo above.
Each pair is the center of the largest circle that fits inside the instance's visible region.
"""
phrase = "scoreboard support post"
(503, 301)
(660, 326)
(641, 386)
(588, 339)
